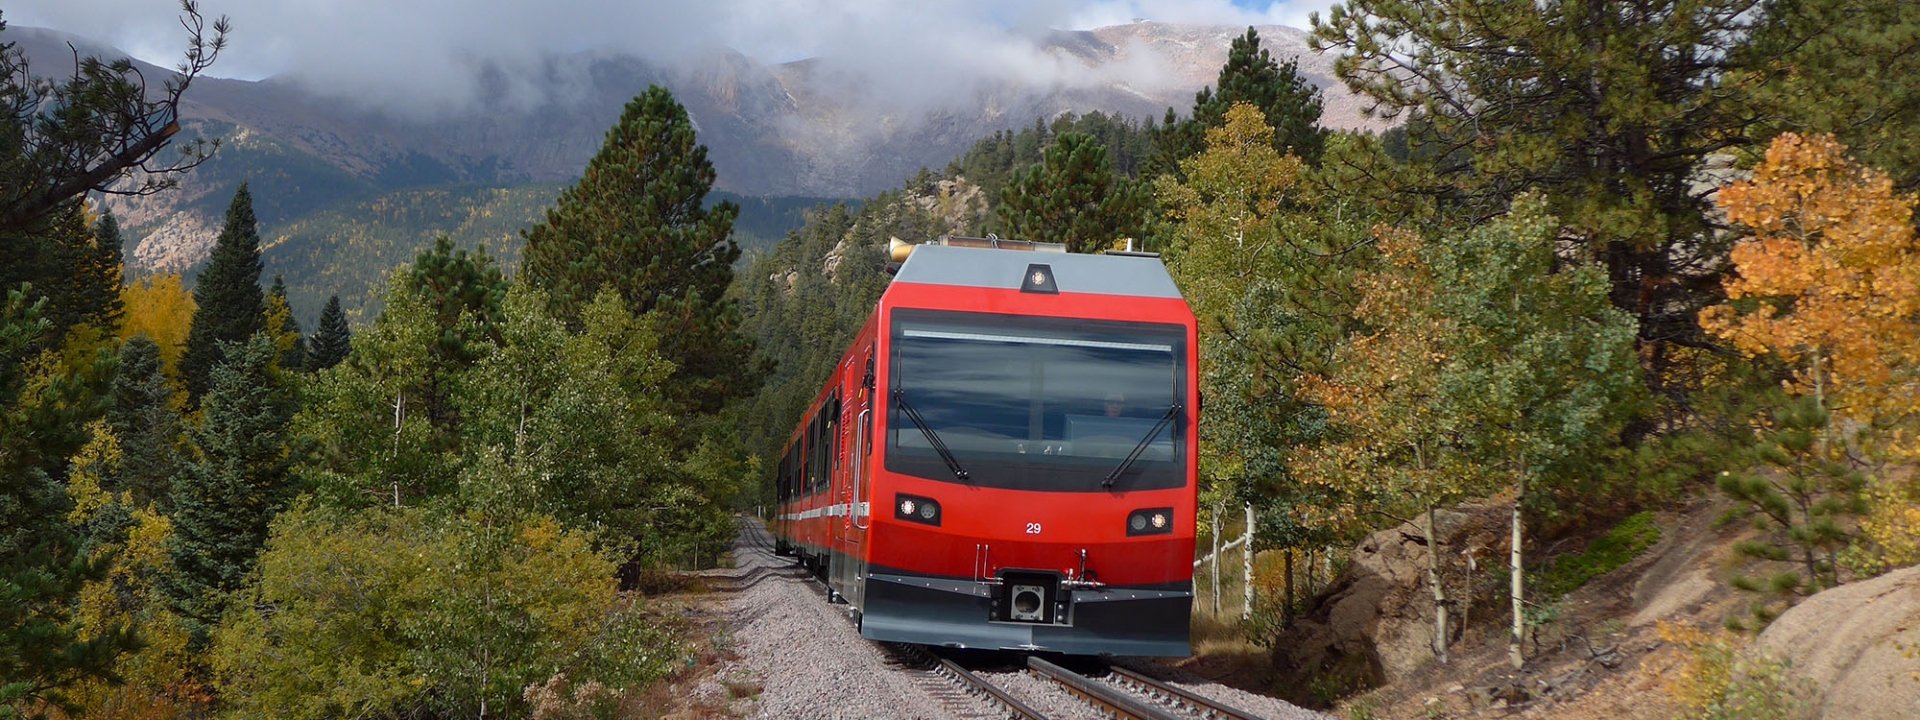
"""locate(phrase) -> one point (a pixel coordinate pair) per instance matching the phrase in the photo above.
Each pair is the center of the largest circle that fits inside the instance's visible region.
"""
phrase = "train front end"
(1034, 458)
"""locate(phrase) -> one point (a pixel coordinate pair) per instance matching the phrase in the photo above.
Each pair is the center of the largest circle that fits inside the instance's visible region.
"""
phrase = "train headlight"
(914, 508)
(1150, 521)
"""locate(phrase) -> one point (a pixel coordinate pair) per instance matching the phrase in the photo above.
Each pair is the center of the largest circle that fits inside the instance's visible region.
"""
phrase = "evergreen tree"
(142, 418)
(332, 340)
(105, 266)
(228, 304)
(1251, 75)
(67, 263)
(285, 328)
(463, 292)
(1611, 111)
(236, 482)
(636, 223)
(42, 421)
(1072, 197)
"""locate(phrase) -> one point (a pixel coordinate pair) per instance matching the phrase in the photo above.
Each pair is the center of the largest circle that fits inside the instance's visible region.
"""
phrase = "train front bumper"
(1120, 621)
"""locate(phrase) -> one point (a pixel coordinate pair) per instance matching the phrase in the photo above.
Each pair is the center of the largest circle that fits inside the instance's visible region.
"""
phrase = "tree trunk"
(1517, 570)
(399, 405)
(1246, 568)
(1216, 560)
(1439, 592)
(1286, 604)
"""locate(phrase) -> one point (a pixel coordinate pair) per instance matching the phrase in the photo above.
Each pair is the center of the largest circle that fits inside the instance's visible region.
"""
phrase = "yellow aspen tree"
(160, 308)
(1827, 280)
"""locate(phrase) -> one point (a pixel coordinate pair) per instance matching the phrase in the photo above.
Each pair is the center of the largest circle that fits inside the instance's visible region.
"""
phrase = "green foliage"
(284, 328)
(1804, 497)
(332, 339)
(636, 224)
(1845, 73)
(370, 441)
(1608, 112)
(1288, 102)
(463, 292)
(44, 408)
(529, 399)
(993, 161)
(78, 272)
(228, 304)
(403, 613)
(1072, 197)
(1622, 544)
(1724, 680)
(235, 483)
(143, 419)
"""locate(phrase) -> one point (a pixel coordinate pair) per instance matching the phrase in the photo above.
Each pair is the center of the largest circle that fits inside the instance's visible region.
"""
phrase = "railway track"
(1124, 694)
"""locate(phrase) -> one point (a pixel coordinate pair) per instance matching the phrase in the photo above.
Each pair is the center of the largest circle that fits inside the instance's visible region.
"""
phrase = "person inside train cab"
(1116, 404)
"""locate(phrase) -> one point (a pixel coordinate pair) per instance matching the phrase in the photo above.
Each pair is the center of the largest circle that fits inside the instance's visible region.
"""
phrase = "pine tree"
(463, 291)
(67, 263)
(104, 265)
(1072, 197)
(143, 419)
(285, 328)
(229, 306)
(1251, 75)
(1611, 111)
(636, 223)
(236, 482)
(332, 339)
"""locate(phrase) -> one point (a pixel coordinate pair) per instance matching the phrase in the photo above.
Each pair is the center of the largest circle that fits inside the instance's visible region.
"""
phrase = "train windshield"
(1037, 403)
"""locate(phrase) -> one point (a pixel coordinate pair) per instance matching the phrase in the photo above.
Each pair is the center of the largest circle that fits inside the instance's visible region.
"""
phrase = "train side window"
(830, 448)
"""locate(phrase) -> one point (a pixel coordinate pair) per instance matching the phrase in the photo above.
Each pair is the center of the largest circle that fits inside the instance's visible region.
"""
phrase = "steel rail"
(966, 677)
(1101, 695)
(1206, 707)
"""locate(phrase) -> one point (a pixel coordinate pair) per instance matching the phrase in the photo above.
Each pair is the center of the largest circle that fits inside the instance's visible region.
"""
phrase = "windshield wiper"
(900, 399)
(1138, 450)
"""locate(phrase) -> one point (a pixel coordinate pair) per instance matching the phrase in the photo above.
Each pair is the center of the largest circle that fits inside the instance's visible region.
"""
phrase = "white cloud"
(431, 53)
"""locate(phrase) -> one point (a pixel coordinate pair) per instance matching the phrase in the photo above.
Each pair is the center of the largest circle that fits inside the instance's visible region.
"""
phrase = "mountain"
(340, 183)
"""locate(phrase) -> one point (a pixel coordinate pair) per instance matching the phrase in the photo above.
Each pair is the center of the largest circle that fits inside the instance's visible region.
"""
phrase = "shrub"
(405, 612)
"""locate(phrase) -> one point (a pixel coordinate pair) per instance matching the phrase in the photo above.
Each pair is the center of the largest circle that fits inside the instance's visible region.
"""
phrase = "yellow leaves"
(93, 466)
(161, 309)
(1827, 279)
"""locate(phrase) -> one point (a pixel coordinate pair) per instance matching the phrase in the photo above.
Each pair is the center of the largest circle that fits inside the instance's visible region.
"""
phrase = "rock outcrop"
(1375, 624)
(1858, 645)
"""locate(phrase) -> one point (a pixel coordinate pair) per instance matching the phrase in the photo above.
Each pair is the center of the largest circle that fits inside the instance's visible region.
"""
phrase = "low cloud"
(427, 56)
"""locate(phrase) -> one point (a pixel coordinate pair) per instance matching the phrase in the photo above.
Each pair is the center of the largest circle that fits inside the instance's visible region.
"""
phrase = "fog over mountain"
(473, 144)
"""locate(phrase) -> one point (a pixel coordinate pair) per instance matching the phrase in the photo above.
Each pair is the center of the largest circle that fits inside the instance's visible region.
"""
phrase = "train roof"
(1131, 275)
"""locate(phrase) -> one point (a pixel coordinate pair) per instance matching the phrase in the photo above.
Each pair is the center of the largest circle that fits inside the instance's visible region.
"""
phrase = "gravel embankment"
(800, 657)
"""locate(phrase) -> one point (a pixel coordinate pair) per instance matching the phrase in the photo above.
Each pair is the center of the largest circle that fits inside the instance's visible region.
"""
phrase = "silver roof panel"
(1004, 269)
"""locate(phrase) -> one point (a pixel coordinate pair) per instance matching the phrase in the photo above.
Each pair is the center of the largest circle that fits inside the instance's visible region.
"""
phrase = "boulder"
(1858, 645)
(1374, 624)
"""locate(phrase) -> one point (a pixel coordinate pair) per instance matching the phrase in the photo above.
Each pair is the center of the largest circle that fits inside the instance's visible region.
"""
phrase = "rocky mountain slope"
(792, 129)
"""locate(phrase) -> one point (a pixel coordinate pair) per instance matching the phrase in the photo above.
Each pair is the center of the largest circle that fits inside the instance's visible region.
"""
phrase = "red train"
(1006, 456)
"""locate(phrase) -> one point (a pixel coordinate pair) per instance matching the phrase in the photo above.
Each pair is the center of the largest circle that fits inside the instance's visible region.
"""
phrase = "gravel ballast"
(794, 655)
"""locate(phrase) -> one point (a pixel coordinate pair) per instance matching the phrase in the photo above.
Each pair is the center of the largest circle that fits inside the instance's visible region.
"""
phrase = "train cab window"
(1037, 403)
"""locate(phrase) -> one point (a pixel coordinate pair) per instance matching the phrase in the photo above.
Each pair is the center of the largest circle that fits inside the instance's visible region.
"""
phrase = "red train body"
(1006, 457)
